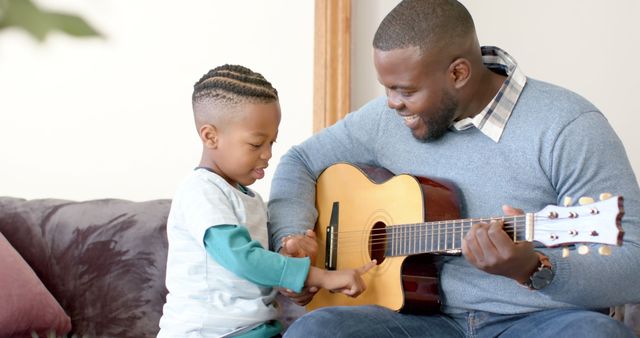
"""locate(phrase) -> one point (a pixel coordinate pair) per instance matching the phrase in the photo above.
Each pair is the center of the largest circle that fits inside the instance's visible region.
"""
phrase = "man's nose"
(392, 100)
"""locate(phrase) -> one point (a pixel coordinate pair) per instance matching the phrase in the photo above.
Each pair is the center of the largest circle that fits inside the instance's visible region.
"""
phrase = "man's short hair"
(426, 24)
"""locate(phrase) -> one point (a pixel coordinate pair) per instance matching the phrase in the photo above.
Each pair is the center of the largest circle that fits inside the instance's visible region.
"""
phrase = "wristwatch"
(543, 274)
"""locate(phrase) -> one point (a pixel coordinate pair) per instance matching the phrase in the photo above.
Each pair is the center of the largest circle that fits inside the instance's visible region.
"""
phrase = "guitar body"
(369, 200)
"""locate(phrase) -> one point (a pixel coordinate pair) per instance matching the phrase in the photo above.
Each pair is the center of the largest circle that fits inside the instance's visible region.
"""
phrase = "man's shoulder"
(544, 96)
(544, 110)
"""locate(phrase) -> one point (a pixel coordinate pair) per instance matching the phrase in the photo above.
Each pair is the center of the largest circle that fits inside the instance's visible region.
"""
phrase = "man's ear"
(460, 72)
(209, 135)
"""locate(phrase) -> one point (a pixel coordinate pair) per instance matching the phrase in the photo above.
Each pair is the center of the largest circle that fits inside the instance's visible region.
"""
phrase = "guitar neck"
(446, 236)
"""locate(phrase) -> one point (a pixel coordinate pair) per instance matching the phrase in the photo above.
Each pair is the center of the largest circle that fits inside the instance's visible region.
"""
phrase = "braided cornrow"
(233, 84)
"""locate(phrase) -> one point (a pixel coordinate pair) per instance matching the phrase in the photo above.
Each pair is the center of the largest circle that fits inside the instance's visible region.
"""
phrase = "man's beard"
(438, 124)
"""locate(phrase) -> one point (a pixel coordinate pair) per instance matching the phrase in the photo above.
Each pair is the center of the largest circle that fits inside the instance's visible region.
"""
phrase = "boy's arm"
(231, 246)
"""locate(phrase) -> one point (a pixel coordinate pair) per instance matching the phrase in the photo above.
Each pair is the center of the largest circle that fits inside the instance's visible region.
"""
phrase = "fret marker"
(585, 200)
(604, 250)
(605, 196)
(583, 249)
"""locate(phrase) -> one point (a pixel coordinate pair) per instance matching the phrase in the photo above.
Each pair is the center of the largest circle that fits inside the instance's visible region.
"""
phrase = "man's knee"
(318, 323)
(595, 324)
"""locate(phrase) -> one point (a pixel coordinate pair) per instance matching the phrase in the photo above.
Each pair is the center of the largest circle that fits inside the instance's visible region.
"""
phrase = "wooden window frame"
(332, 56)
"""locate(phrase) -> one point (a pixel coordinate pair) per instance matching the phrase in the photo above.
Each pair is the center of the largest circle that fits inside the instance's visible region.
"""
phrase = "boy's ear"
(209, 135)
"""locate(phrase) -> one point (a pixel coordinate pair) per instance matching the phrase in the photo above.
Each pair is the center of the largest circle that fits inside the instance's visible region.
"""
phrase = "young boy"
(220, 275)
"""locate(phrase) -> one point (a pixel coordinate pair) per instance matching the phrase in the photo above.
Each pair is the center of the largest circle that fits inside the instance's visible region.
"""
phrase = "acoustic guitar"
(402, 221)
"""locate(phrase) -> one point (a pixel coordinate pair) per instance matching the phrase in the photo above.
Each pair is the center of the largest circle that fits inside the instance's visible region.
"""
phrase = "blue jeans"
(374, 321)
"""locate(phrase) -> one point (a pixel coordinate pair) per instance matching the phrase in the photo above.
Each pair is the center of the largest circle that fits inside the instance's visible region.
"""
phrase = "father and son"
(453, 110)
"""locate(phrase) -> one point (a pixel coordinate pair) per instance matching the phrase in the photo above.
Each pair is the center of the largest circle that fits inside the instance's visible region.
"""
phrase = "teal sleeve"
(266, 330)
(231, 246)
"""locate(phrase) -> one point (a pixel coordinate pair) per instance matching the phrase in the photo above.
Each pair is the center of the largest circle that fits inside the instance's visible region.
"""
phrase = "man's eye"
(254, 145)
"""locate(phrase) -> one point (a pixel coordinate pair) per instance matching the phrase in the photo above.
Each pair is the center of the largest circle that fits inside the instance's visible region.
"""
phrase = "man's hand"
(300, 245)
(489, 248)
(303, 298)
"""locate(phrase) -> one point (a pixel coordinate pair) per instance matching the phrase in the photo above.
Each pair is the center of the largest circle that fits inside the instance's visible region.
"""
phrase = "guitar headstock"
(595, 222)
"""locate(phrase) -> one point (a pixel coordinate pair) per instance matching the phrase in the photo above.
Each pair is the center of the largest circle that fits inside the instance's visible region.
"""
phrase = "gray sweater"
(555, 144)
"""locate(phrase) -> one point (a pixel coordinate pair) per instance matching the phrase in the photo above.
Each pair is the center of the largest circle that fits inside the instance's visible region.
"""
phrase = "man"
(467, 114)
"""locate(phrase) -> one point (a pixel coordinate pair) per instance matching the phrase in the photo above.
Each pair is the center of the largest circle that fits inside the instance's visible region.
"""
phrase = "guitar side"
(369, 199)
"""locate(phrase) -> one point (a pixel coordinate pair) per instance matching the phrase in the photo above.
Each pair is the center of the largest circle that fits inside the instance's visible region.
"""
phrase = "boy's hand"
(348, 281)
(300, 245)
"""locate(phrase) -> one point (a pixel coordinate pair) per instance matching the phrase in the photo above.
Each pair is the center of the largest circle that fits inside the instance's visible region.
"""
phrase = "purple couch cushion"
(103, 260)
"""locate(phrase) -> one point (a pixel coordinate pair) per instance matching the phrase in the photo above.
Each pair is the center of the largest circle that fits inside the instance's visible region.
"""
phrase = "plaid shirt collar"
(493, 118)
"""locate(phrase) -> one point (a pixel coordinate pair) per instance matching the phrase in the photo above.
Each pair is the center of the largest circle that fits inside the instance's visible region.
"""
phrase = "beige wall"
(588, 46)
(93, 118)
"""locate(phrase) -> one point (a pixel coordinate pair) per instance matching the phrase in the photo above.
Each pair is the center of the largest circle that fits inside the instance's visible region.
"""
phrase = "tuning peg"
(565, 252)
(567, 201)
(585, 200)
(604, 250)
(605, 196)
(583, 249)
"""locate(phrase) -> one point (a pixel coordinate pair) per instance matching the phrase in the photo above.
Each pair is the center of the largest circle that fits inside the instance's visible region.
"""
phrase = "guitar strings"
(406, 231)
(506, 219)
(449, 226)
(409, 241)
(405, 235)
(402, 241)
(384, 236)
(407, 244)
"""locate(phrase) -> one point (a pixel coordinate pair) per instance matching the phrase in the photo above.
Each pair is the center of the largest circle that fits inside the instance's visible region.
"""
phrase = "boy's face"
(243, 144)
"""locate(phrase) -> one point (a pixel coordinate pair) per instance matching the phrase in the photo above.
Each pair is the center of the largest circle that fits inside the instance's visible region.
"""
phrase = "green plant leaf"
(39, 23)
(72, 25)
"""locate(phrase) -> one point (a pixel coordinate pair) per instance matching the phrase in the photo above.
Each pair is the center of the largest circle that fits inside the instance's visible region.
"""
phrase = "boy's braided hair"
(233, 84)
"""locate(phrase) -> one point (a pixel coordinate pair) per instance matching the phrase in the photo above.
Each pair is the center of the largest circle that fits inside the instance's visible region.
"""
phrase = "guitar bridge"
(331, 244)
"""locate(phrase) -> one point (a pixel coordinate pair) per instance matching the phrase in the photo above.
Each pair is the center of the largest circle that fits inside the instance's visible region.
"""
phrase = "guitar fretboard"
(442, 236)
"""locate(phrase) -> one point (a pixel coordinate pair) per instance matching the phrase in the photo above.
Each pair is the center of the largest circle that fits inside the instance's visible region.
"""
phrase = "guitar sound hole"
(378, 242)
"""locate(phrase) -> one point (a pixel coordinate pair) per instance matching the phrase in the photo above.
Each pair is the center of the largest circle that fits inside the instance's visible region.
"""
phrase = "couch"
(93, 268)
(96, 269)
